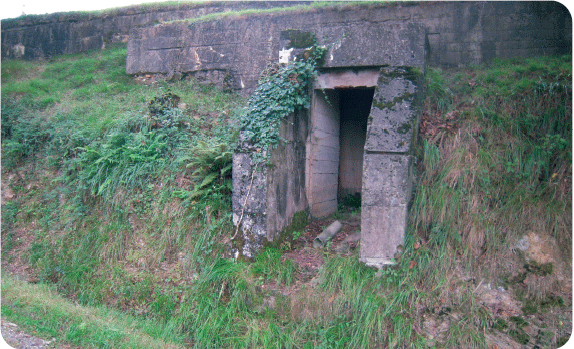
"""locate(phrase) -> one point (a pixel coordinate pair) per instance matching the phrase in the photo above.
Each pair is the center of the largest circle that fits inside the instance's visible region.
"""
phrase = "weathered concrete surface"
(276, 190)
(331, 79)
(458, 33)
(392, 122)
(243, 46)
(454, 33)
(387, 188)
(43, 36)
(387, 166)
(322, 153)
(249, 203)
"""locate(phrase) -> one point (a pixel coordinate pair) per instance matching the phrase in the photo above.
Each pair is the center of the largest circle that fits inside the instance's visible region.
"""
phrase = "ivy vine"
(281, 90)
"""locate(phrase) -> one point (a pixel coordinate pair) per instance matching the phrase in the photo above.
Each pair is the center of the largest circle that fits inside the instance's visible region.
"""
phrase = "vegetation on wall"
(281, 90)
(116, 196)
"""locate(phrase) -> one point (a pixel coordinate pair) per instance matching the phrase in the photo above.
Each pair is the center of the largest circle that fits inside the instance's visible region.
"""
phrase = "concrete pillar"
(387, 164)
(267, 196)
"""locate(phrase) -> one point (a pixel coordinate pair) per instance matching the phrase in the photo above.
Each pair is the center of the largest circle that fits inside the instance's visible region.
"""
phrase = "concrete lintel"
(347, 79)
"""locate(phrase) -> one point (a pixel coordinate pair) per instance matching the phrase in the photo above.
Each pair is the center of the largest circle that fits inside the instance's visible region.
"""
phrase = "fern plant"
(135, 151)
(211, 165)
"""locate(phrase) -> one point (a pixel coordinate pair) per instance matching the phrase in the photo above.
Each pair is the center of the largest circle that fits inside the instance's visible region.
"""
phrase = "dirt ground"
(14, 337)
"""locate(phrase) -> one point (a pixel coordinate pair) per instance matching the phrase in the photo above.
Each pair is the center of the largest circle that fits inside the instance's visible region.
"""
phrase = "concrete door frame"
(322, 160)
(387, 176)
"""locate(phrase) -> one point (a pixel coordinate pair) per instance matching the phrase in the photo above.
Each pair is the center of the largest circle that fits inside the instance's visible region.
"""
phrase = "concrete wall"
(243, 46)
(458, 33)
(43, 36)
(453, 33)
(387, 164)
(267, 196)
(322, 162)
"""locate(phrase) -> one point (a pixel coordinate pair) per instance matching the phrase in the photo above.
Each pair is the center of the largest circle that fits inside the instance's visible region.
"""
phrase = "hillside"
(116, 196)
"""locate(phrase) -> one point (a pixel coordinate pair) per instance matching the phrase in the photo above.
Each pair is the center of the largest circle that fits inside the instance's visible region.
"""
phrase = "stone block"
(247, 181)
(394, 113)
(382, 232)
(387, 180)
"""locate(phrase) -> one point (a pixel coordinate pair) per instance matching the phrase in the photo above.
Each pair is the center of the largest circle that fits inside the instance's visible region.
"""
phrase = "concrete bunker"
(384, 48)
(355, 139)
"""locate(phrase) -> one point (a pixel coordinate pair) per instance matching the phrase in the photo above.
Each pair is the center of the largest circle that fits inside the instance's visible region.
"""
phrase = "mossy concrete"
(268, 198)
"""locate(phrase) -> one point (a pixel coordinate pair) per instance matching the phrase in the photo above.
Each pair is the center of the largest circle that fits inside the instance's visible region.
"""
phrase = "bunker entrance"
(336, 146)
(355, 106)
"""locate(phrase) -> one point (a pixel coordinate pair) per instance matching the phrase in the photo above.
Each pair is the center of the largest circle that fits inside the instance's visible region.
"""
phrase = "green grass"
(128, 215)
(39, 308)
(282, 10)
(504, 167)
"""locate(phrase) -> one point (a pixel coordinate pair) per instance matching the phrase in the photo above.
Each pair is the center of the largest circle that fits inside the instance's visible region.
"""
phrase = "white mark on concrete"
(196, 58)
(336, 46)
(212, 50)
(285, 55)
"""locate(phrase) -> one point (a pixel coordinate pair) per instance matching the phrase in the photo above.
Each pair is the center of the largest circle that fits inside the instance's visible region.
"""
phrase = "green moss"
(298, 223)
(412, 74)
(381, 104)
(404, 128)
(298, 38)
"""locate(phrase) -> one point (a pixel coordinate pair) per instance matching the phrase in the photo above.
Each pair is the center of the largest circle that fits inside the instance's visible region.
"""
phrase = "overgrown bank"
(117, 193)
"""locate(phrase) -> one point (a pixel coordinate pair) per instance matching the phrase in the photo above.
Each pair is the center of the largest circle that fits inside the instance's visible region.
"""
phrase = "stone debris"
(17, 338)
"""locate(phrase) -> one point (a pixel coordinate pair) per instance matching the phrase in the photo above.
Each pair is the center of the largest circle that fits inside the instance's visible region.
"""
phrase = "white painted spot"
(285, 55)
(212, 50)
(18, 50)
(242, 84)
(197, 59)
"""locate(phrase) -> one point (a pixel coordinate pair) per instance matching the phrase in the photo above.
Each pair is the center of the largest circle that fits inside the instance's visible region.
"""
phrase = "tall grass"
(502, 164)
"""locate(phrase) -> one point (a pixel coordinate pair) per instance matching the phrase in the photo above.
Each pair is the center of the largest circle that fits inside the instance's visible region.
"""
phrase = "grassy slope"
(112, 207)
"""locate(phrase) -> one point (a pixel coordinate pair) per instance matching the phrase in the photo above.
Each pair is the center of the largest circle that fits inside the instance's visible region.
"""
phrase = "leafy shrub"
(162, 105)
(281, 90)
(21, 136)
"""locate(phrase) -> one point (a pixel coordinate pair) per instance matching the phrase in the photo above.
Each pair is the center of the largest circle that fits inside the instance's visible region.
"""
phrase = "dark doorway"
(336, 142)
(355, 107)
